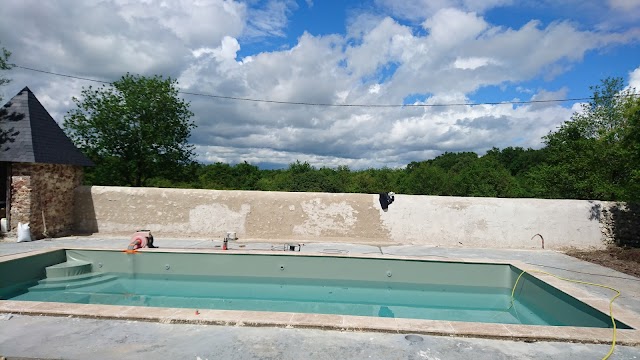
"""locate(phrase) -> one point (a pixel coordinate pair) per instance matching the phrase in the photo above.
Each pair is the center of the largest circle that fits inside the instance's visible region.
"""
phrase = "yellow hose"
(613, 320)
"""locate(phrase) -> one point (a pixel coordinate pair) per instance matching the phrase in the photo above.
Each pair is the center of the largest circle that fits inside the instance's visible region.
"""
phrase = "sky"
(337, 52)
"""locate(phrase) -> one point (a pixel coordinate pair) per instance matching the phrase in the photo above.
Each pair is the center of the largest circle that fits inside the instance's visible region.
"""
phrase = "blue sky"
(421, 52)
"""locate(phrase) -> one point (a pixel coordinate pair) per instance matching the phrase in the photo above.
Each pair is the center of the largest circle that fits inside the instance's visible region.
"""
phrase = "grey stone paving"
(72, 338)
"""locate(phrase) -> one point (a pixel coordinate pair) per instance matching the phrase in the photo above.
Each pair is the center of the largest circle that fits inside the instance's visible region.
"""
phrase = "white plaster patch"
(321, 217)
(216, 219)
(490, 222)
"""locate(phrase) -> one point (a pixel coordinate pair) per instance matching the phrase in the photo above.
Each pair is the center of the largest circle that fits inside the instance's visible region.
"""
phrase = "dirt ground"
(626, 260)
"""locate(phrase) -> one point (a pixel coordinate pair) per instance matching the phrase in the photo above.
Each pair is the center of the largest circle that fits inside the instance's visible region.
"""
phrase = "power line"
(58, 74)
(329, 104)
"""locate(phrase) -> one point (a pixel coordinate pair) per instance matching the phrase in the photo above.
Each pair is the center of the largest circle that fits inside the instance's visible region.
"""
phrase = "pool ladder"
(292, 247)
(230, 236)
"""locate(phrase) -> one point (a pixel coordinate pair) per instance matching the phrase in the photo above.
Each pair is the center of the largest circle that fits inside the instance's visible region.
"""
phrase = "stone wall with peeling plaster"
(42, 195)
(352, 218)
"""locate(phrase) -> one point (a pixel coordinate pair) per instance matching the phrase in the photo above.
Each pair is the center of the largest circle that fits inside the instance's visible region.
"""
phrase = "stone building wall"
(20, 199)
(42, 195)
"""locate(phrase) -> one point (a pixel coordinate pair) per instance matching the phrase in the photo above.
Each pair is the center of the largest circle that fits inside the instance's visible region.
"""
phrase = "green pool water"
(290, 295)
(304, 284)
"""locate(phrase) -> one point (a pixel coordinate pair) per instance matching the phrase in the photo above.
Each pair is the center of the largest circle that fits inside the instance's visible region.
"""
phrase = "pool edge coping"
(629, 337)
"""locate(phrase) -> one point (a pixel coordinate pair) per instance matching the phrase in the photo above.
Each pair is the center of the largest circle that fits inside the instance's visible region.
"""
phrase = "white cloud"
(472, 63)
(382, 44)
(422, 9)
(227, 50)
(196, 23)
(634, 79)
(48, 95)
(625, 5)
(312, 72)
(450, 27)
(379, 60)
(271, 19)
(544, 98)
(108, 38)
(477, 128)
(223, 57)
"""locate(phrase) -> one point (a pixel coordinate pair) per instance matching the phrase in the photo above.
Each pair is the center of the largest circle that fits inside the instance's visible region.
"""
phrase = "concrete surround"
(345, 218)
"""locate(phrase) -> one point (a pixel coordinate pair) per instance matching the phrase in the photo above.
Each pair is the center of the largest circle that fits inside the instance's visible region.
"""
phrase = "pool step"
(68, 279)
(73, 282)
(68, 268)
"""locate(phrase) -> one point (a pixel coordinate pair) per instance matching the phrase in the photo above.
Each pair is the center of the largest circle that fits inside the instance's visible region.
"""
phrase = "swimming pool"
(284, 283)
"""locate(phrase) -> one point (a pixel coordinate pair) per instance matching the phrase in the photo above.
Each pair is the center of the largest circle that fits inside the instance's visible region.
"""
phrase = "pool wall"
(24, 269)
(298, 267)
(542, 298)
(350, 218)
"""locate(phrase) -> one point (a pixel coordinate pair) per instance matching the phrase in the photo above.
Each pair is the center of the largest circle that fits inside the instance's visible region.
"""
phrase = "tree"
(423, 178)
(586, 157)
(482, 177)
(246, 176)
(631, 142)
(134, 130)
(302, 176)
(343, 177)
(216, 176)
(516, 159)
(273, 180)
(4, 65)
(222, 176)
(364, 182)
(374, 181)
(449, 161)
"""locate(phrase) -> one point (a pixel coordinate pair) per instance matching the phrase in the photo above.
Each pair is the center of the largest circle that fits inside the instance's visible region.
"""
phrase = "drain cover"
(414, 338)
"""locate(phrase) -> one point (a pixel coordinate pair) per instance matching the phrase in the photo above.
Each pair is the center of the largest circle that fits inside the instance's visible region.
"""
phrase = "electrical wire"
(59, 74)
(515, 102)
(613, 320)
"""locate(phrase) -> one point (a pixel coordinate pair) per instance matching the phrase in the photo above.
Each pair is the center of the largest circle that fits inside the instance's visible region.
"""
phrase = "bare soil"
(626, 260)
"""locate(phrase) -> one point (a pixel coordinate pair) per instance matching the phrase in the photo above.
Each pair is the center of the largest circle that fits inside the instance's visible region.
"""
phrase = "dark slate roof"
(29, 134)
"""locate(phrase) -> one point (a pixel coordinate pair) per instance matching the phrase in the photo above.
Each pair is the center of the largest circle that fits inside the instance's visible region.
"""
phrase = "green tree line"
(593, 155)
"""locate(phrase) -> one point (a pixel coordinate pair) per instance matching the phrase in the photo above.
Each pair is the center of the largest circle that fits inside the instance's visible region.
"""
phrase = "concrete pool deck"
(626, 307)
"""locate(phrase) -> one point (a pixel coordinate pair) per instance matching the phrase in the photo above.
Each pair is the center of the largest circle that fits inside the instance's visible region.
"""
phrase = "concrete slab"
(72, 338)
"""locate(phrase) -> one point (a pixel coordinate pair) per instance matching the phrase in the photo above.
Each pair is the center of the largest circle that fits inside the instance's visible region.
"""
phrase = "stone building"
(39, 168)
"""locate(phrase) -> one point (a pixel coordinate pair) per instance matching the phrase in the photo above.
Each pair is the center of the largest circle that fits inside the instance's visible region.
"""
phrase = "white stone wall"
(354, 218)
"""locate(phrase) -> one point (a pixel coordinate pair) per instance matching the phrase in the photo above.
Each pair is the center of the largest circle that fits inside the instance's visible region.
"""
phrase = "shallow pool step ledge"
(72, 282)
(68, 268)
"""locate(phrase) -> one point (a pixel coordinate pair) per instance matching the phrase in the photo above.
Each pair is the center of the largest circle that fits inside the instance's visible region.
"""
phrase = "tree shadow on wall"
(85, 221)
(624, 221)
(595, 213)
(8, 133)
